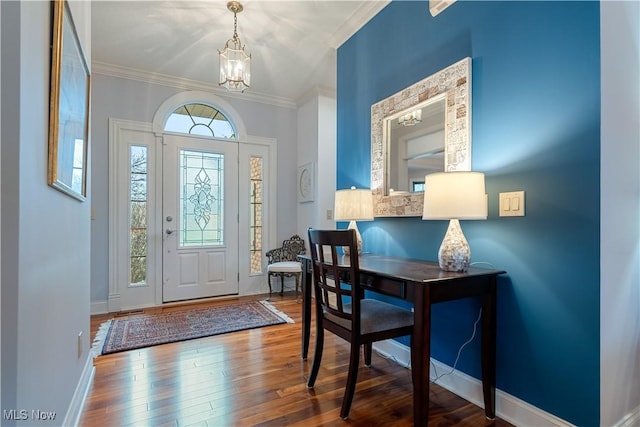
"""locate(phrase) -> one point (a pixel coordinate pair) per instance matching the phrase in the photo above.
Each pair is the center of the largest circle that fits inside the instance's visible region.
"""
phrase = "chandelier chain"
(235, 26)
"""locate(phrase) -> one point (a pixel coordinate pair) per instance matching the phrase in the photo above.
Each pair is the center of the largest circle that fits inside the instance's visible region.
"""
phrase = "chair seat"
(376, 316)
(285, 267)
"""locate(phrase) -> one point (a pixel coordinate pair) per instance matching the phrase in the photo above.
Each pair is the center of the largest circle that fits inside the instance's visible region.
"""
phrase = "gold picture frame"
(68, 106)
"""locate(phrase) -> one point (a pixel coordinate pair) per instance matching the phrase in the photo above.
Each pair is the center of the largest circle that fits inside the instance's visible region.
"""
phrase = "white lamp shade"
(353, 205)
(454, 195)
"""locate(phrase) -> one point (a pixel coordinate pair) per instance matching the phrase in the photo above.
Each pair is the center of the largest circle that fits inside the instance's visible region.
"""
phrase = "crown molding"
(315, 92)
(187, 84)
(357, 20)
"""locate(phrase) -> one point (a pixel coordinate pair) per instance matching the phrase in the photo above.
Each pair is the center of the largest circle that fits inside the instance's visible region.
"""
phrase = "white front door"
(200, 218)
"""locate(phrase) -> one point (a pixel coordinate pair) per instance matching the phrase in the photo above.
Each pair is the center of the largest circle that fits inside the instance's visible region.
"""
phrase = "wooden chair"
(282, 262)
(343, 310)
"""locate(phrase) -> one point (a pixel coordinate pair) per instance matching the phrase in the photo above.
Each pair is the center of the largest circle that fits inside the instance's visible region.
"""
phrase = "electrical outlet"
(329, 214)
(79, 344)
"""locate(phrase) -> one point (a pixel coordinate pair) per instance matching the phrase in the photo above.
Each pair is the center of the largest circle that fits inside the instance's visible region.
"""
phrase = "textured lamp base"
(454, 253)
(354, 226)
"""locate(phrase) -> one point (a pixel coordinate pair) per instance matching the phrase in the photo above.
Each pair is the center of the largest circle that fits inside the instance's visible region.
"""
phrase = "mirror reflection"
(415, 145)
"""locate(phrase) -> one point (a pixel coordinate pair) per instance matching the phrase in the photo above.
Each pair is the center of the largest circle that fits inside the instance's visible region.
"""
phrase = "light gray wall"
(317, 144)
(0, 200)
(9, 155)
(46, 234)
(138, 101)
(620, 213)
(327, 116)
(308, 152)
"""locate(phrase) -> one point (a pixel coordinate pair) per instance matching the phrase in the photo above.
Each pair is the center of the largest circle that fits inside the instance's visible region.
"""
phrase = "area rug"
(145, 330)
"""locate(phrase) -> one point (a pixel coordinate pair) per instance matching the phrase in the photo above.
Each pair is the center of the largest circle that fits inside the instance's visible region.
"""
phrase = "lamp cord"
(455, 363)
(482, 262)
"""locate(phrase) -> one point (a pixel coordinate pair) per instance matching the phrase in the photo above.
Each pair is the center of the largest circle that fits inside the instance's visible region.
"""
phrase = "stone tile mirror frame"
(454, 82)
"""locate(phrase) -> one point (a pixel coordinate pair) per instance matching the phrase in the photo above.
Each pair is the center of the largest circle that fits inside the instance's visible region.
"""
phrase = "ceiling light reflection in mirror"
(415, 145)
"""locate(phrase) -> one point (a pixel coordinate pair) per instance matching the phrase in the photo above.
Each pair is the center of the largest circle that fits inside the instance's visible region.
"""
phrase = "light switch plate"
(512, 203)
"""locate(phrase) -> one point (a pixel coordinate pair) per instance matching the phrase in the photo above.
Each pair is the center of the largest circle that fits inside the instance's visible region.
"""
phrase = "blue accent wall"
(535, 127)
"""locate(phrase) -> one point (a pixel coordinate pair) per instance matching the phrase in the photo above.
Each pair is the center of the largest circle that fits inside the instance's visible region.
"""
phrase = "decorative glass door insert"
(201, 198)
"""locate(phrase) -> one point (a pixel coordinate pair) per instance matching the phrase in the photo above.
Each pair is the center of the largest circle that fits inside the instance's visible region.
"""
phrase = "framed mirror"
(421, 129)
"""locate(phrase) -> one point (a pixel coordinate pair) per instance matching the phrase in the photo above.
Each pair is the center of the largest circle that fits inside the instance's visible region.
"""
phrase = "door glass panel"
(138, 198)
(201, 198)
(255, 204)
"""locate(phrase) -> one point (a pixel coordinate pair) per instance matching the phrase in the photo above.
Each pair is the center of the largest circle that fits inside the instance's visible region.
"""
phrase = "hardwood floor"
(256, 377)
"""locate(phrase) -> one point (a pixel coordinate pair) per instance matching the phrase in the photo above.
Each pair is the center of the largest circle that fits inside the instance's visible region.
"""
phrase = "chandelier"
(410, 119)
(235, 64)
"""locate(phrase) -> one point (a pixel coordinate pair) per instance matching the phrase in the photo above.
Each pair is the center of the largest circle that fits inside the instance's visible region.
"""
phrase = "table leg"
(489, 350)
(420, 355)
(306, 307)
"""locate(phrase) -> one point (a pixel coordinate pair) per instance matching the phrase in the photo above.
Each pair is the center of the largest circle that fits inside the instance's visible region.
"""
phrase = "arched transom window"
(200, 119)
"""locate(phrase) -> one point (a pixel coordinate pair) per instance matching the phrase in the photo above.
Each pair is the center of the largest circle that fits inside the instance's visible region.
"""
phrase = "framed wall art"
(68, 106)
(306, 187)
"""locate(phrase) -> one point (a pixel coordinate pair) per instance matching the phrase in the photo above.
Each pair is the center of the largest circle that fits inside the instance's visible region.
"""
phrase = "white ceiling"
(292, 43)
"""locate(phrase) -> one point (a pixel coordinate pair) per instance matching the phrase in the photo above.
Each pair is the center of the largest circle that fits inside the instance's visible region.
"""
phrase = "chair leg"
(317, 356)
(269, 283)
(297, 286)
(367, 354)
(281, 284)
(352, 377)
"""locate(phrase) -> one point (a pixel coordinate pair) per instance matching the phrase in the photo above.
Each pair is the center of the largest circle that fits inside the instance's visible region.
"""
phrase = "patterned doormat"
(145, 330)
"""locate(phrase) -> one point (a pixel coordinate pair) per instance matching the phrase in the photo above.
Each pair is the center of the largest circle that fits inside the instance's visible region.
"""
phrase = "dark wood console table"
(423, 283)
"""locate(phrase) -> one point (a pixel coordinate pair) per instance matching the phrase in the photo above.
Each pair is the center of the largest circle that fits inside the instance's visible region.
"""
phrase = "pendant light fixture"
(411, 119)
(235, 64)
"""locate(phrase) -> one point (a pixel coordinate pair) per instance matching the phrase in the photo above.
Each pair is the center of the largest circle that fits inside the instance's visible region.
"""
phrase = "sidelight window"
(255, 206)
(138, 198)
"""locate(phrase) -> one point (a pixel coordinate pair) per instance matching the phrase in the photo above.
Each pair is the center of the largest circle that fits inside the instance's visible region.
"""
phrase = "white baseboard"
(394, 350)
(508, 407)
(72, 418)
(99, 307)
(630, 420)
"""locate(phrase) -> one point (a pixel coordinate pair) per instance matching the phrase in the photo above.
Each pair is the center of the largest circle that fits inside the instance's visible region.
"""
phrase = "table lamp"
(354, 205)
(454, 196)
